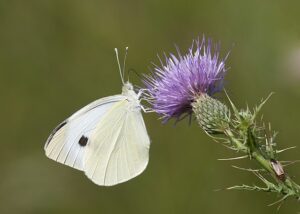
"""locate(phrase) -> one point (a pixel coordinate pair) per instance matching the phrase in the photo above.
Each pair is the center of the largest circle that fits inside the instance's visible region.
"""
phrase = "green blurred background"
(57, 56)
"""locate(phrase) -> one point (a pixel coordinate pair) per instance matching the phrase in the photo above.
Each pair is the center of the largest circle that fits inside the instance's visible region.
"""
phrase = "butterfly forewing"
(67, 143)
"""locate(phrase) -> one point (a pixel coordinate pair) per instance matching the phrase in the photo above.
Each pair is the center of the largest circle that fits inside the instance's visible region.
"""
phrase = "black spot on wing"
(55, 130)
(83, 140)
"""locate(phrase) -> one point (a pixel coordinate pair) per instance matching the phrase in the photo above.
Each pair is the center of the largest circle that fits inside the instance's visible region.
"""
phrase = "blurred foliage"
(57, 56)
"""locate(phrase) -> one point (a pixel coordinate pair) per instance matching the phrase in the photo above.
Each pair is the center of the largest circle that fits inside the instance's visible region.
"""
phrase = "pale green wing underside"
(118, 148)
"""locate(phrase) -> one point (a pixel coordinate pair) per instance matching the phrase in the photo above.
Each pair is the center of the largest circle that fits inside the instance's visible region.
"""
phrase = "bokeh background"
(57, 56)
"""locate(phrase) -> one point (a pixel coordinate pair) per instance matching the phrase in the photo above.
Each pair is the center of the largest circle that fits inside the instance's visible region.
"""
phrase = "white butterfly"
(106, 139)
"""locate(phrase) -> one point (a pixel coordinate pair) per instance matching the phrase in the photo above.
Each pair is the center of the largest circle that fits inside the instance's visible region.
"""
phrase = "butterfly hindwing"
(118, 148)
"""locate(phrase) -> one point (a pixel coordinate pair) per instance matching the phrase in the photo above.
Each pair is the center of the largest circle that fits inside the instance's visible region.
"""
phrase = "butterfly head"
(129, 93)
(127, 88)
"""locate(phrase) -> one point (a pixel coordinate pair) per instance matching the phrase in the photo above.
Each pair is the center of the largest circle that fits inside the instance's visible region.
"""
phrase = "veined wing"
(67, 142)
(118, 148)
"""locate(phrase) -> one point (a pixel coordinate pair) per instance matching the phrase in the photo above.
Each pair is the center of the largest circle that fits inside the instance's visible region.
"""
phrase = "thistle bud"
(212, 115)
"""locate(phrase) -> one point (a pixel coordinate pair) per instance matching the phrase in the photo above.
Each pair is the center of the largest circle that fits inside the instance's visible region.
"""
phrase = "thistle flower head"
(174, 85)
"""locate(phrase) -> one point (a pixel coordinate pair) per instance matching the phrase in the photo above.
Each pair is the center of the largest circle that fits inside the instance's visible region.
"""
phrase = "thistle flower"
(174, 86)
(186, 84)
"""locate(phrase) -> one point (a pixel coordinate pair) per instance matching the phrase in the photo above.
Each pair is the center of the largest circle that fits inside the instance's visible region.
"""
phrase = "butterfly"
(107, 139)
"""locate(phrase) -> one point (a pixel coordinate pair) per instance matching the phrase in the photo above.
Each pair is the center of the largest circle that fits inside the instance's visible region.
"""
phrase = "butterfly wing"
(67, 142)
(118, 148)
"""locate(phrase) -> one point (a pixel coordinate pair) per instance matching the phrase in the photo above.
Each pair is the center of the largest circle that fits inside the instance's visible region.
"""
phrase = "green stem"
(289, 187)
(252, 152)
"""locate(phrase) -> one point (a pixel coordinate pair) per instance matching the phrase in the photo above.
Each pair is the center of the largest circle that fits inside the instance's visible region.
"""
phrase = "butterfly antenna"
(120, 70)
(124, 63)
(134, 71)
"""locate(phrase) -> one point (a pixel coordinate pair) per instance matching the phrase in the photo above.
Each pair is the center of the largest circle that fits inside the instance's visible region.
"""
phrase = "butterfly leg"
(146, 110)
(141, 92)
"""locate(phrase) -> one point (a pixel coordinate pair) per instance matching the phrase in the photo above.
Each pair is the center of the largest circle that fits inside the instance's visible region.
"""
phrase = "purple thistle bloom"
(173, 87)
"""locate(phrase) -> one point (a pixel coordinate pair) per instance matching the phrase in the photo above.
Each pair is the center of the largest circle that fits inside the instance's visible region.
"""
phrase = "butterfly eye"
(129, 86)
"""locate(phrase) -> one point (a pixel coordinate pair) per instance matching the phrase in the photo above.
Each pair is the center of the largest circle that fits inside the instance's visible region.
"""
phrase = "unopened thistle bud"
(212, 115)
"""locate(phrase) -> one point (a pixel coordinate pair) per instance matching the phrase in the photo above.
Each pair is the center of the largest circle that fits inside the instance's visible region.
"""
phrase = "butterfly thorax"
(129, 93)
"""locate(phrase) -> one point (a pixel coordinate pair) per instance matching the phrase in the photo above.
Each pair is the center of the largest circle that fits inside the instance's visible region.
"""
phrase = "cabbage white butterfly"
(107, 139)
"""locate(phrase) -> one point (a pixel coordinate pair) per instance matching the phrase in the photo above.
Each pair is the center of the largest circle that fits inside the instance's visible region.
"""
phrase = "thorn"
(280, 200)
(245, 169)
(262, 178)
(247, 187)
(283, 150)
(279, 206)
(236, 112)
(288, 163)
(258, 108)
(217, 190)
(235, 158)
(214, 137)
